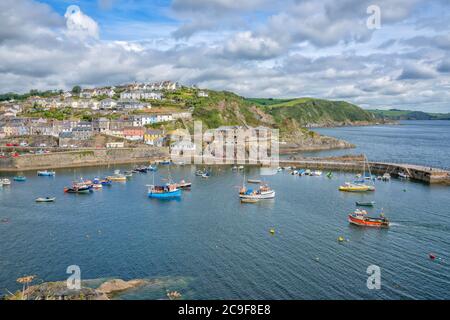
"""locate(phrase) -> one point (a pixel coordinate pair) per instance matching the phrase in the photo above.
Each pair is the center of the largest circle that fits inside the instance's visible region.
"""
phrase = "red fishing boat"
(360, 218)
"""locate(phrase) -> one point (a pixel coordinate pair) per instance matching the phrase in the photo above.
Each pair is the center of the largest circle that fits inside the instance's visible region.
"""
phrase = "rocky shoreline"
(107, 290)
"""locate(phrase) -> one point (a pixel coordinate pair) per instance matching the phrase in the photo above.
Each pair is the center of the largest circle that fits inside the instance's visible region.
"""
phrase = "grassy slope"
(317, 111)
(395, 114)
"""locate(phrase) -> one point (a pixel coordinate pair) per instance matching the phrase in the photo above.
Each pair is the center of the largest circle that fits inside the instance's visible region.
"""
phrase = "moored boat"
(352, 187)
(386, 177)
(166, 191)
(360, 218)
(316, 173)
(46, 173)
(254, 181)
(5, 182)
(264, 192)
(183, 185)
(403, 175)
(46, 199)
(20, 178)
(78, 189)
(365, 204)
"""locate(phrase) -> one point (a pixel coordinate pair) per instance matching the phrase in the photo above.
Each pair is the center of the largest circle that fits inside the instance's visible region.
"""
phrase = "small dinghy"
(46, 199)
(365, 204)
(20, 178)
(253, 181)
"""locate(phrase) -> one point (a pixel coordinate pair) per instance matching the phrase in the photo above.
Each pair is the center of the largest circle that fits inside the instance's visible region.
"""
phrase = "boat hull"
(368, 222)
(266, 195)
(165, 195)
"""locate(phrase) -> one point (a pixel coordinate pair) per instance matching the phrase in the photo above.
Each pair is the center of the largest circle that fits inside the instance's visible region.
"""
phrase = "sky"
(256, 48)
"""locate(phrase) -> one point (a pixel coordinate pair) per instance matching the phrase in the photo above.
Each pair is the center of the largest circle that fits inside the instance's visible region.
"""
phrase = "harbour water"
(208, 245)
(415, 142)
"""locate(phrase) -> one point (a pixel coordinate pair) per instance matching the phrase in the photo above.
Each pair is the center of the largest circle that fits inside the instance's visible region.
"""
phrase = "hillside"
(396, 114)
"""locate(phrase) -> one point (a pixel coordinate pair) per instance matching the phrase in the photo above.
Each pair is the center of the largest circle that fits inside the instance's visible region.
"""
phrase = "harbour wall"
(82, 158)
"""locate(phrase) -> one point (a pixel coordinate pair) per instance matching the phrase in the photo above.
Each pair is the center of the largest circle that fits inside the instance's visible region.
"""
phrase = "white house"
(108, 103)
(141, 94)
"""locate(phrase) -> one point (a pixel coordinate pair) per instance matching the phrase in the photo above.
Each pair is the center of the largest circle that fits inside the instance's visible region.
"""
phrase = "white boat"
(316, 173)
(264, 192)
(5, 182)
(241, 167)
(403, 175)
(386, 177)
(307, 172)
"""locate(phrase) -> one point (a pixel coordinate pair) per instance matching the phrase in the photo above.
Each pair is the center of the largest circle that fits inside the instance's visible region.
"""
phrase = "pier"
(356, 164)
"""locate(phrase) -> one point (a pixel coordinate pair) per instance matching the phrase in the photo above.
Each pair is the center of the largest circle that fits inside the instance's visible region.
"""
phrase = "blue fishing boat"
(166, 191)
(20, 178)
(166, 162)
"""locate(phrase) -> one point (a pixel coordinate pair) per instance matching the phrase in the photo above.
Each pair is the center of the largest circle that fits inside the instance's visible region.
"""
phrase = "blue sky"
(286, 48)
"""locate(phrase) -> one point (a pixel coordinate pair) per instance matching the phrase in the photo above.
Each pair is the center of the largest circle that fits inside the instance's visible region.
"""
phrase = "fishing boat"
(166, 191)
(253, 181)
(5, 182)
(46, 173)
(264, 192)
(20, 178)
(83, 189)
(316, 173)
(360, 218)
(386, 177)
(365, 204)
(183, 185)
(46, 199)
(301, 172)
(165, 162)
(352, 187)
(307, 172)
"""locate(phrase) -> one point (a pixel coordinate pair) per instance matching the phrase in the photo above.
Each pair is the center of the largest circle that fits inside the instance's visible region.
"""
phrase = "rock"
(116, 285)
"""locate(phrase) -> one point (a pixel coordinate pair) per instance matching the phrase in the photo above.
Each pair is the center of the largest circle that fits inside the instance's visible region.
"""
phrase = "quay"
(356, 164)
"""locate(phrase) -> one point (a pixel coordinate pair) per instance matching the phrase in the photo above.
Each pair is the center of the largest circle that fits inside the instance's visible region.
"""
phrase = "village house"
(82, 133)
(134, 133)
(202, 94)
(101, 125)
(129, 104)
(61, 126)
(154, 137)
(87, 93)
(141, 95)
(65, 138)
(104, 92)
(108, 104)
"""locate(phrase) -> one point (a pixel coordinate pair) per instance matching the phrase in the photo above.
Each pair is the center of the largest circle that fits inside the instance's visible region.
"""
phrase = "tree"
(76, 89)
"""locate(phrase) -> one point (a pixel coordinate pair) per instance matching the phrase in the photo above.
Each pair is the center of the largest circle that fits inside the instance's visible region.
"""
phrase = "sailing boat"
(167, 191)
(360, 185)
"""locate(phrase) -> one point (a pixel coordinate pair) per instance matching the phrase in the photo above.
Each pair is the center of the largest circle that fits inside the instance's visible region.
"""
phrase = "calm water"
(418, 142)
(210, 246)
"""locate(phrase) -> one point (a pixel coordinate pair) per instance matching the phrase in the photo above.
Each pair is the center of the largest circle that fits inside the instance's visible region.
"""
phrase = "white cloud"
(80, 25)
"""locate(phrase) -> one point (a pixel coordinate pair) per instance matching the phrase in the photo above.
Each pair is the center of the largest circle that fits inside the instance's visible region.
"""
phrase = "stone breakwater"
(82, 158)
